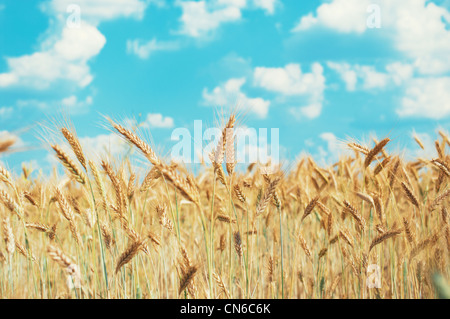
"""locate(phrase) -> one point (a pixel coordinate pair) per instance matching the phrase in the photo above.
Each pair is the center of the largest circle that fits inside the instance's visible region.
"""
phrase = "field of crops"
(372, 225)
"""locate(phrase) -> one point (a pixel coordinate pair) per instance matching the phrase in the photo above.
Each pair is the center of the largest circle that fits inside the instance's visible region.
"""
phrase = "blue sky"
(320, 71)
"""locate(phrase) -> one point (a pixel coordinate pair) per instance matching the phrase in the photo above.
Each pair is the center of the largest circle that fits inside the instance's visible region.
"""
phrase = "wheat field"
(372, 225)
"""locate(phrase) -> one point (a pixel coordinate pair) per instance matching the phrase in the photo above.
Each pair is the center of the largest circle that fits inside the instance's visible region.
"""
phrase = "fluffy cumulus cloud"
(419, 29)
(230, 94)
(198, 20)
(428, 97)
(340, 15)
(290, 80)
(333, 146)
(367, 77)
(201, 18)
(423, 96)
(66, 59)
(75, 39)
(156, 120)
(267, 5)
(143, 49)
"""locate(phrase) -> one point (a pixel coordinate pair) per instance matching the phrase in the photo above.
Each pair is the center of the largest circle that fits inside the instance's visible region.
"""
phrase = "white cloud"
(372, 78)
(202, 18)
(305, 23)
(66, 49)
(418, 29)
(396, 74)
(426, 97)
(145, 49)
(333, 144)
(156, 120)
(423, 35)
(198, 20)
(347, 74)
(340, 15)
(400, 72)
(267, 5)
(229, 94)
(65, 60)
(291, 81)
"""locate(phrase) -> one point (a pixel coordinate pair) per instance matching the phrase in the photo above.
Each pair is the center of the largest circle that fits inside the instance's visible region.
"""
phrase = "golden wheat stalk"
(304, 245)
(189, 192)
(69, 164)
(409, 194)
(381, 238)
(8, 236)
(75, 145)
(223, 289)
(374, 151)
(99, 184)
(10, 203)
(138, 142)
(72, 269)
(187, 278)
(360, 219)
(268, 194)
(128, 254)
(310, 207)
